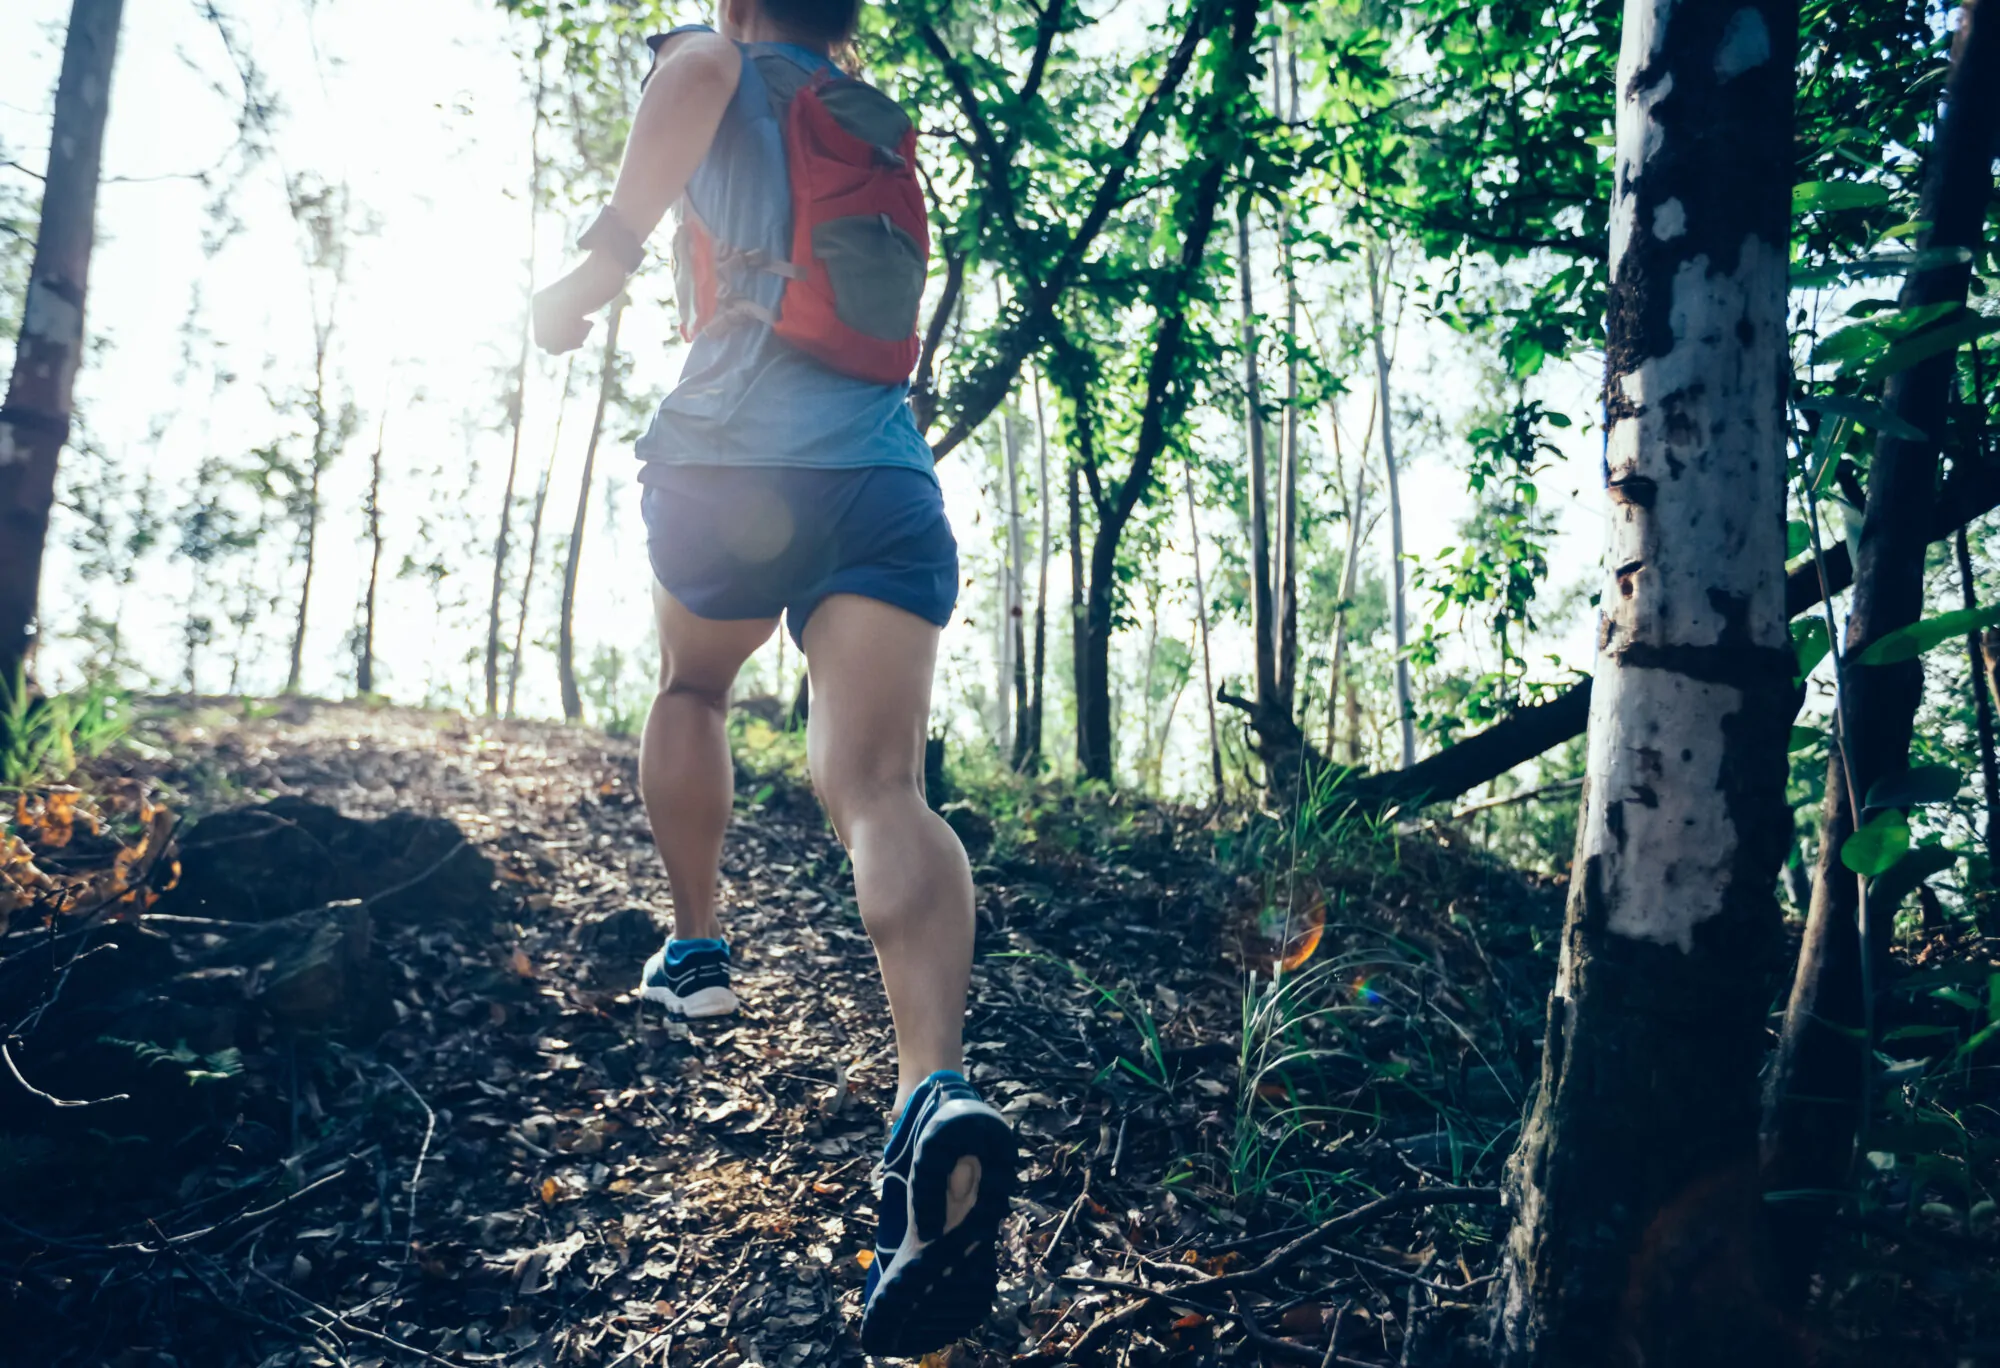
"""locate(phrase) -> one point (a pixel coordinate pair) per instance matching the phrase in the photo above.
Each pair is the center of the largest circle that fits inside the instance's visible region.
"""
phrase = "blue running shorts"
(740, 542)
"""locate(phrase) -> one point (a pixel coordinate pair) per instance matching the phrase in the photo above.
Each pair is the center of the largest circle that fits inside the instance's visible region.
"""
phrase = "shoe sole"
(703, 1002)
(941, 1291)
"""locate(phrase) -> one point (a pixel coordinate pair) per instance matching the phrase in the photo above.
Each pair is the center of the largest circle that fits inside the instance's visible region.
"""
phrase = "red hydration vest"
(860, 249)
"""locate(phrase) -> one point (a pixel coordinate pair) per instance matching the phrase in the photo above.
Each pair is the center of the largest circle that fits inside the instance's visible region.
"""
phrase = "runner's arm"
(694, 78)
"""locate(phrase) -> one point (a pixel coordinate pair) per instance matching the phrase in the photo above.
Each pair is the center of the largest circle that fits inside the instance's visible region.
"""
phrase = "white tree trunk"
(1010, 580)
(1378, 294)
(1643, 1134)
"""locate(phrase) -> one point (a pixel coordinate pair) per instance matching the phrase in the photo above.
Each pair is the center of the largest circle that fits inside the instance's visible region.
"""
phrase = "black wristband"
(609, 233)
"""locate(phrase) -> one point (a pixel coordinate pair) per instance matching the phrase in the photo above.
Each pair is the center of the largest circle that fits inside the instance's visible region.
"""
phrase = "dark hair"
(828, 21)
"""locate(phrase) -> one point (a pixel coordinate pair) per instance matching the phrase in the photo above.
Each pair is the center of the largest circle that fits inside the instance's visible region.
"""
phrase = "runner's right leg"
(685, 775)
(948, 1168)
(871, 667)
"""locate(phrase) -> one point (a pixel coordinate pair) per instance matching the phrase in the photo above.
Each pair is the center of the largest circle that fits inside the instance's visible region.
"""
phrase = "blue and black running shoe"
(947, 1175)
(691, 977)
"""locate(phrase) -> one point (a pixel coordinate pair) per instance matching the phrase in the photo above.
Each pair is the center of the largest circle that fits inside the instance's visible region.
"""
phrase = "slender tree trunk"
(1262, 626)
(320, 457)
(1641, 1145)
(1146, 676)
(1013, 618)
(1350, 566)
(535, 541)
(572, 700)
(1201, 624)
(516, 410)
(34, 422)
(1378, 291)
(1353, 723)
(364, 674)
(1028, 753)
(1982, 704)
(1287, 576)
(1078, 626)
(1814, 1104)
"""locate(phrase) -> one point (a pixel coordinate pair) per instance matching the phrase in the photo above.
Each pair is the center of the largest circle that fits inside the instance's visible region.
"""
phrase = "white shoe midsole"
(703, 1002)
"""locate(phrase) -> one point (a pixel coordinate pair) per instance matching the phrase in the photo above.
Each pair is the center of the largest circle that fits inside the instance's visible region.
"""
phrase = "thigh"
(871, 665)
(702, 655)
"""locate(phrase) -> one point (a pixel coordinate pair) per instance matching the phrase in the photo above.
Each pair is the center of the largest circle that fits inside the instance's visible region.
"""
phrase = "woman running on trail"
(784, 475)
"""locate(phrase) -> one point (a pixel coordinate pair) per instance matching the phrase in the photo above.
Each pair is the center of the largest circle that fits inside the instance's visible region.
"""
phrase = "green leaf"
(1958, 997)
(1935, 341)
(1826, 196)
(1875, 848)
(1865, 412)
(1810, 644)
(1918, 1032)
(1844, 344)
(1887, 891)
(1916, 787)
(1907, 643)
(1798, 539)
(1803, 737)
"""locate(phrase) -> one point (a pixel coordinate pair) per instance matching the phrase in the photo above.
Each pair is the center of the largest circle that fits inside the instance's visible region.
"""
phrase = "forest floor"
(391, 1099)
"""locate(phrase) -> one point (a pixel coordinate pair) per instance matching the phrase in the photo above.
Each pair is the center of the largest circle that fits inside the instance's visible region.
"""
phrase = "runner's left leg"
(685, 775)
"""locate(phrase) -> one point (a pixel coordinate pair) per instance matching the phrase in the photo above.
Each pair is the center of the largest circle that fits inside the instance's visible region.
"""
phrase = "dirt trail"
(596, 1185)
(603, 1181)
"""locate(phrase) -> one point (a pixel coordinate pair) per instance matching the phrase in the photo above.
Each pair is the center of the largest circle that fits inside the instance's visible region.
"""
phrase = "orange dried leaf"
(866, 1258)
(549, 1190)
(521, 964)
(1306, 940)
(1192, 1320)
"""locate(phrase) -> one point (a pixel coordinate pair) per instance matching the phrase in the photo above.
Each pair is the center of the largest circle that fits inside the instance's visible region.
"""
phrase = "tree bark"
(1201, 622)
(1350, 566)
(1014, 625)
(1076, 609)
(572, 700)
(35, 421)
(1263, 629)
(535, 541)
(1641, 1143)
(1220, 134)
(1815, 1104)
(516, 411)
(1028, 757)
(1286, 574)
(1378, 291)
(295, 672)
(364, 672)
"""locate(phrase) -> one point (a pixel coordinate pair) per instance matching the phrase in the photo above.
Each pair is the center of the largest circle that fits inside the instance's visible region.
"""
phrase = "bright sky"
(422, 109)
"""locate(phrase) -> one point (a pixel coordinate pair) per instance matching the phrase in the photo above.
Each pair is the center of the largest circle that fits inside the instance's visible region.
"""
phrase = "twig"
(1049, 1249)
(1525, 796)
(1333, 1337)
(1410, 1277)
(417, 1174)
(677, 1321)
(1326, 1231)
(1298, 1353)
(393, 889)
(238, 1219)
(1103, 1328)
(51, 1098)
(335, 1318)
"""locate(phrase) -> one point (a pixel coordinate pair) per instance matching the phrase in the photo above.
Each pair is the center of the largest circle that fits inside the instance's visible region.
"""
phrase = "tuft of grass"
(42, 739)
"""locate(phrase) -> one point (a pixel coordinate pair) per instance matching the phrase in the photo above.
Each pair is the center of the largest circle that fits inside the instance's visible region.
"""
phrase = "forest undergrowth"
(322, 1051)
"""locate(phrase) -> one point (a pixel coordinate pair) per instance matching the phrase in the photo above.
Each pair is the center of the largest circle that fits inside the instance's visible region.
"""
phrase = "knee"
(855, 788)
(702, 693)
